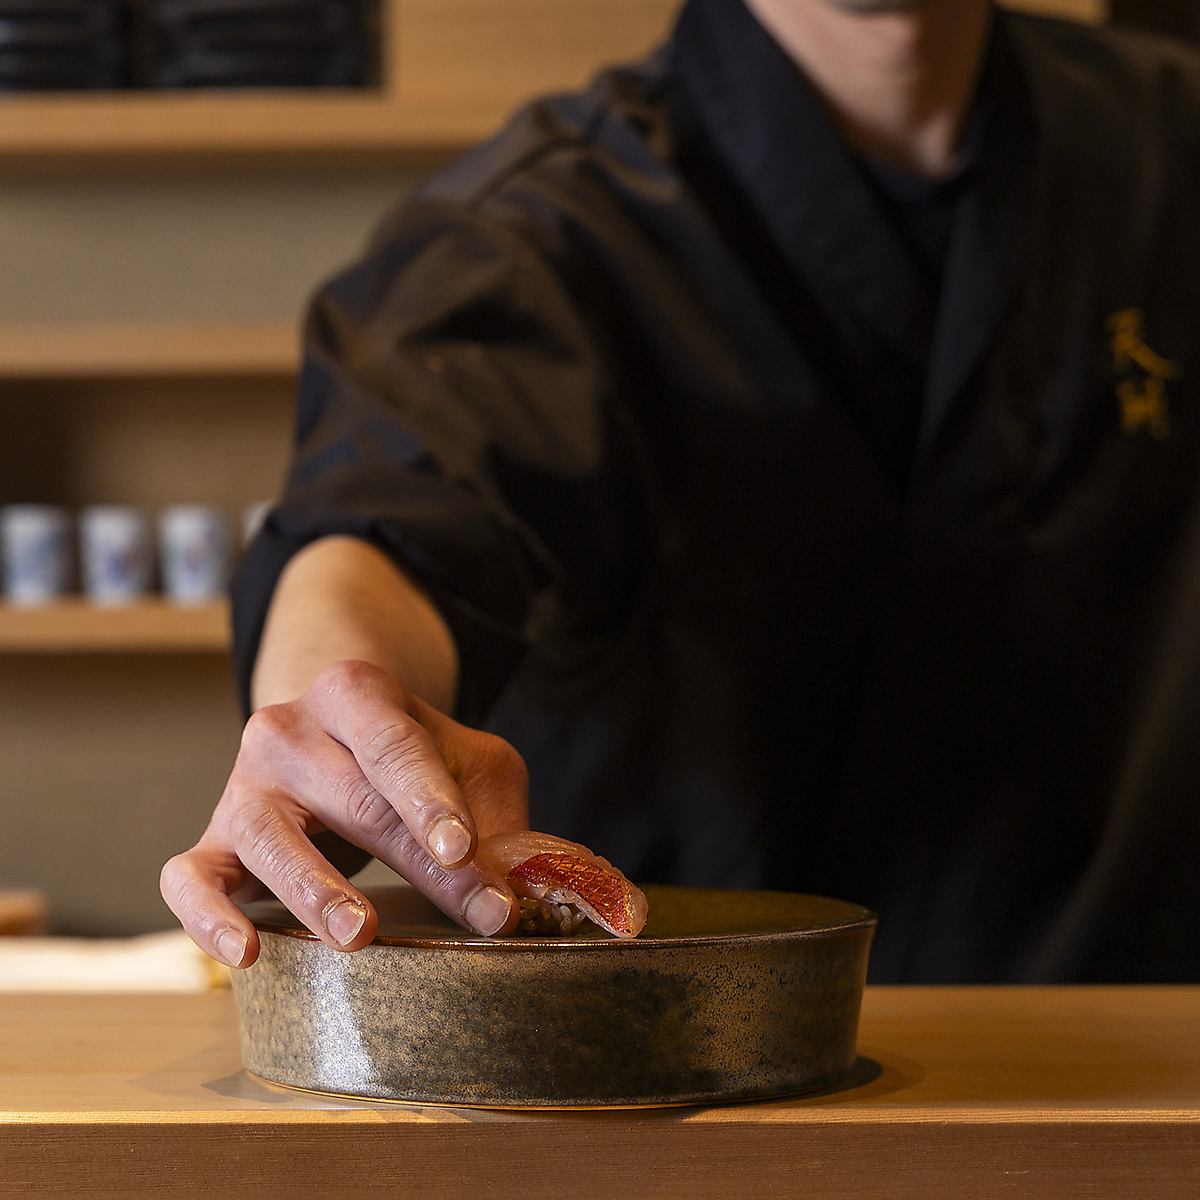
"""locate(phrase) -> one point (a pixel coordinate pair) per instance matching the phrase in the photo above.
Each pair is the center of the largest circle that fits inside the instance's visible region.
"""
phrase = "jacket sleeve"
(451, 412)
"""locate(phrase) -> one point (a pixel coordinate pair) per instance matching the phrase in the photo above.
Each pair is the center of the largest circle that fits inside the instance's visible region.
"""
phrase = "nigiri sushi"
(561, 884)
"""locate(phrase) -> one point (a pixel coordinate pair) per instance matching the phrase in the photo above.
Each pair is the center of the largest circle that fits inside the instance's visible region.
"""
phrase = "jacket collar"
(990, 247)
(772, 133)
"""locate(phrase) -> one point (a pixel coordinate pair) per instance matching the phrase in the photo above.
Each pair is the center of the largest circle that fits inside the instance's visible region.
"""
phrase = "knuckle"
(399, 846)
(409, 858)
(366, 811)
(202, 925)
(348, 675)
(395, 747)
(350, 793)
(254, 824)
(184, 895)
(305, 884)
(171, 877)
(427, 876)
(261, 833)
(269, 727)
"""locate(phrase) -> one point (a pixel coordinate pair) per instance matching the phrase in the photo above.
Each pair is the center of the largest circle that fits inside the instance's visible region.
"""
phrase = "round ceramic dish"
(727, 995)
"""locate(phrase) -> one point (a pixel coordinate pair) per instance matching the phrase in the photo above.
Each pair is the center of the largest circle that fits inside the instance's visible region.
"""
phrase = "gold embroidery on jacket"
(1141, 376)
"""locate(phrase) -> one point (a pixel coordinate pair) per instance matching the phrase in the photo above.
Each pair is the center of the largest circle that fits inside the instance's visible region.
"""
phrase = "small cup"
(35, 542)
(194, 546)
(116, 553)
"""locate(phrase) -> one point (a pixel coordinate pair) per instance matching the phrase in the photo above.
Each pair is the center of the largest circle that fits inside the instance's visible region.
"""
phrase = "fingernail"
(487, 910)
(449, 841)
(344, 920)
(231, 946)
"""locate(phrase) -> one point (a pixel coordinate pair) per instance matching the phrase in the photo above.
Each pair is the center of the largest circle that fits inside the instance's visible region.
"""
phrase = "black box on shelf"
(256, 43)
(63, 45)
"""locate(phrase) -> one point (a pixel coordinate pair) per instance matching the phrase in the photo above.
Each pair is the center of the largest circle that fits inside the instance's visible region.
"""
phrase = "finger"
(328, 782)
(196, 886)
(475, 896)
(272, 844)
(366, 710)
(491, 774)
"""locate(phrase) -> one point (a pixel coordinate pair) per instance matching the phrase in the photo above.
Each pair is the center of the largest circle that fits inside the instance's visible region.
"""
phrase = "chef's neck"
(898, 75)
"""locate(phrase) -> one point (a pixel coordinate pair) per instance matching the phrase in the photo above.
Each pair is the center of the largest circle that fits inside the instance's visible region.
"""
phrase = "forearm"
(340, 598)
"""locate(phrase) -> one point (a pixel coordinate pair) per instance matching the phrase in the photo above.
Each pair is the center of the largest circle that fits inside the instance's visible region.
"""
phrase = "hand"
(360, 757)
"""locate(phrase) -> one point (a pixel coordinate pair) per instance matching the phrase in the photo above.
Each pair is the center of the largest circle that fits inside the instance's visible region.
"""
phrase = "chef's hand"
(359, 757)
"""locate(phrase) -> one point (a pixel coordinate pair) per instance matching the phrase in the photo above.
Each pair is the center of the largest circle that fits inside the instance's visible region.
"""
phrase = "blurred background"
(178, 175)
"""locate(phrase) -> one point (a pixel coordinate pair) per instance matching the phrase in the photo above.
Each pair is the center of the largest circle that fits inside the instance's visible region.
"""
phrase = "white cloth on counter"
(153, 962)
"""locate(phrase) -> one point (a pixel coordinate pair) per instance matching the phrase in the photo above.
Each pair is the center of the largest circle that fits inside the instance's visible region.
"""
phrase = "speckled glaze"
(726, 996)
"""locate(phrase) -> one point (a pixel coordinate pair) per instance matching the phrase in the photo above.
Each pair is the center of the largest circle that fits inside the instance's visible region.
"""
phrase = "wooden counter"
(976, 1093)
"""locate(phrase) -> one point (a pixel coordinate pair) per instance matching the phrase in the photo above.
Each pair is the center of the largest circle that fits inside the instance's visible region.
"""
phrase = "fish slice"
(561, 884)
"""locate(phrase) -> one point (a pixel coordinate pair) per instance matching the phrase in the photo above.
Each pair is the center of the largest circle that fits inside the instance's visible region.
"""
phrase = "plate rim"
(859, 919)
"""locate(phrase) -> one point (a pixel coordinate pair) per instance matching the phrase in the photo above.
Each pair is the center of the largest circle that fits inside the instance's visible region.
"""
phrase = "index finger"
(366, 710)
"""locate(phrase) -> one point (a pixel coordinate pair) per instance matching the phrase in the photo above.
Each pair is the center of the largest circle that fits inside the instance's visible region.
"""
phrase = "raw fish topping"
(608, 892)
(559, 883)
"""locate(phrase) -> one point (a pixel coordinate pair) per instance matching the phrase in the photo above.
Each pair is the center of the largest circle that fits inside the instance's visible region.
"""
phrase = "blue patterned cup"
(194, 546)
(116, 553)
(35, 545)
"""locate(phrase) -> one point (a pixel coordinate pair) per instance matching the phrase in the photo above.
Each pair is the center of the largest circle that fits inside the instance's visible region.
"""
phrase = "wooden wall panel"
(464, 63)
(108, 765)
(147, 442)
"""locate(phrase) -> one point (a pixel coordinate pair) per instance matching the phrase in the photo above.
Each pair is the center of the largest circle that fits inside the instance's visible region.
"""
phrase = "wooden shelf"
(147, 626)
(453, 69)
(123, 351)
(139, 125)
(193, 351)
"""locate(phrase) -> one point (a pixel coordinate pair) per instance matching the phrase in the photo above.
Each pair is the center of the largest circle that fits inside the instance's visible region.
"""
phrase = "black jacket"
(784, 561)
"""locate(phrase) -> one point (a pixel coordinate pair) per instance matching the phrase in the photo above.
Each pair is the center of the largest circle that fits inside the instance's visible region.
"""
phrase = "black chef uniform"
(803, 532)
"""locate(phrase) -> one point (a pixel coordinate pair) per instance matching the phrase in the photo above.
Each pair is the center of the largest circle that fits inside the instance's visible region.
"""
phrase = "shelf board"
(158, 351)
(39, 128)
(147, 626)
(453, 69)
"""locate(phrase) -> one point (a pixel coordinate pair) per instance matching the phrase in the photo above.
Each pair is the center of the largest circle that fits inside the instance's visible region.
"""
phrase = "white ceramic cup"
(194, 548)
(35, 546)
(116, 553)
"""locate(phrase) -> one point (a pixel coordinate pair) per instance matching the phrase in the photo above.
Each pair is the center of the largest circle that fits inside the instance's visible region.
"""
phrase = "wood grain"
(193, 350)
(978, 1093)
(463, 64)
(144, 626)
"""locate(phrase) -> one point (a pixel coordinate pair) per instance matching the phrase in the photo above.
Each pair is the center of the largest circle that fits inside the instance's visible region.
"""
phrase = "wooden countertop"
(976, 1093)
